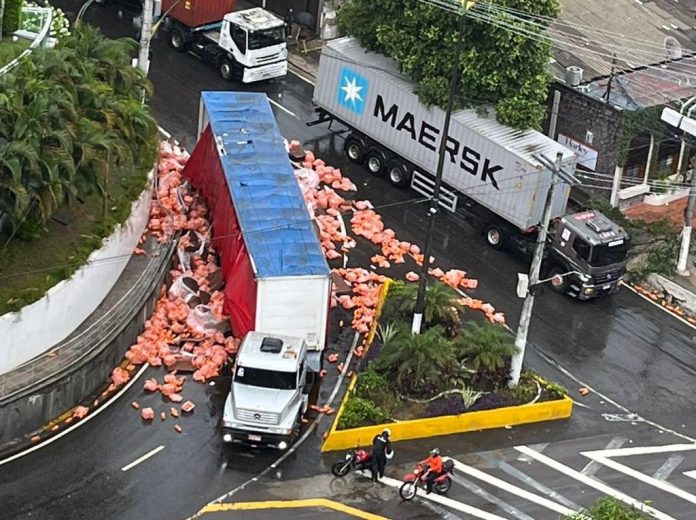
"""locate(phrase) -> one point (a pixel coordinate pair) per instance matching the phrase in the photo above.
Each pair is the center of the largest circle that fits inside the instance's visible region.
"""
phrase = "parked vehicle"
(417, 478)
(247, 46)
(357, 459)
(491, 177)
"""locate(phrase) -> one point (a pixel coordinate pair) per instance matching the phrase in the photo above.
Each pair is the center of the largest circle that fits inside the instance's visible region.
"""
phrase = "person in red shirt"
(434, 463)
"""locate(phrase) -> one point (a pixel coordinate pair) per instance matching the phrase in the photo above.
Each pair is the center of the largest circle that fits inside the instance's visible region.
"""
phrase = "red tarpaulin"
(205, 172)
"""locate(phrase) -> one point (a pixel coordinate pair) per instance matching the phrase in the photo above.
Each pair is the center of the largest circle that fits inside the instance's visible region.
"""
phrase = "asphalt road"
(638, 358)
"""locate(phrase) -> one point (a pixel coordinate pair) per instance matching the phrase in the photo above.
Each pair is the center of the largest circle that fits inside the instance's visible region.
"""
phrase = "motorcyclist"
(435, 464)
(381, 451)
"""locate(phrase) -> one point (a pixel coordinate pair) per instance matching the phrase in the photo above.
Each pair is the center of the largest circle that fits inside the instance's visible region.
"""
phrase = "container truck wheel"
(176, 40)
(398, 173)
(226, 69)
(375, 161)
(558, 283)
(355, 150)
(494, 236)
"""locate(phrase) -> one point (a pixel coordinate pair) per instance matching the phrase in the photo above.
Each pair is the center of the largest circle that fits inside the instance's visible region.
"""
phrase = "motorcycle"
(357, 459)
(419, 477)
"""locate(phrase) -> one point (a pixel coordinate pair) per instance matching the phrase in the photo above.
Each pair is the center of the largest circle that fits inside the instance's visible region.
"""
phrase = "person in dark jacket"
(381, 450)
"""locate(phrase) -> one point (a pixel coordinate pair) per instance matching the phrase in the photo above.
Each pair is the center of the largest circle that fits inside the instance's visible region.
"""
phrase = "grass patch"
(30, 268)
(9, 49)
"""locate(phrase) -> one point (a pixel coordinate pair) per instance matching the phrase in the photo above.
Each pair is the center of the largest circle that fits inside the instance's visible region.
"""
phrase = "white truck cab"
(269, 391)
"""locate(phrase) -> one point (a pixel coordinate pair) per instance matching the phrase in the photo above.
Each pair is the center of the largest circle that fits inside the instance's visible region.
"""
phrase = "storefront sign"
(587, 156)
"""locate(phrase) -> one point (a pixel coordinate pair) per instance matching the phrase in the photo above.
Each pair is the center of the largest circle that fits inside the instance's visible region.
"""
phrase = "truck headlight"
(227, 437)
(589, 290)
(284, 54)
(282, 445)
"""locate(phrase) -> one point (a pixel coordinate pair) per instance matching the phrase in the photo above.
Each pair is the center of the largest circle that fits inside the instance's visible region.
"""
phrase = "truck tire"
(176, 40)
(558, 286)
(398, 173)
(354, 149)
(226, 69)
(494, 236)
(375, 162)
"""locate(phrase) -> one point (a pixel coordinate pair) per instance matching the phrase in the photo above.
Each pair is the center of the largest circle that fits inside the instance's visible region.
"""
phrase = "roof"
(276, 226)
(287, 360)
(593, 226)
(255, 19)
(522, 143)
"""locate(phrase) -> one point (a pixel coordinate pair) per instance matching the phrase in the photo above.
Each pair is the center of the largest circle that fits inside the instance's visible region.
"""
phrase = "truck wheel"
(176, 40)
(355, 150)
(559, 285)
(398, 173)
(226, 69)
(494, 236)
(375, 162)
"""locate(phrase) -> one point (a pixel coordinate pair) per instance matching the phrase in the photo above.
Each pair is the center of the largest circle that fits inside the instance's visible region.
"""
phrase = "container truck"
(277, 281)
(247, 45)
(491, 176)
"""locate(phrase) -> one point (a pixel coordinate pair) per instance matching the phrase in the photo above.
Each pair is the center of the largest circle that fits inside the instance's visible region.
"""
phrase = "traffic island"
(450, 379)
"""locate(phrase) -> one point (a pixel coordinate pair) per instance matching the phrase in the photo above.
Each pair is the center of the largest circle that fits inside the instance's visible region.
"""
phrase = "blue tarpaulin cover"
(276, 226)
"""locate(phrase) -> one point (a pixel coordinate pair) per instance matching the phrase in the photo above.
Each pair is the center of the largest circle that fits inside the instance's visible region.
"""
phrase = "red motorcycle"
(357, 459)
(419, 477)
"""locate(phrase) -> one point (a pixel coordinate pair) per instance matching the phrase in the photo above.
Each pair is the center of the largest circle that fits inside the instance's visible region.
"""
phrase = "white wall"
(36, 328)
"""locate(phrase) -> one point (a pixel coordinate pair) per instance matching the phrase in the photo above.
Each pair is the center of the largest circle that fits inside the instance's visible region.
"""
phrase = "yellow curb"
(291, 504)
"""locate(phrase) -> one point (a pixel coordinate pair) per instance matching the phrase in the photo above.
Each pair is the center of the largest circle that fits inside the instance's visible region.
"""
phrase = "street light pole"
(523, 327)
(146, 36)
(435, 200)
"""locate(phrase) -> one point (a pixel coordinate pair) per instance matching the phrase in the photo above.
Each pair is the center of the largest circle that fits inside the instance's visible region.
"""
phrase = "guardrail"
(41, 39)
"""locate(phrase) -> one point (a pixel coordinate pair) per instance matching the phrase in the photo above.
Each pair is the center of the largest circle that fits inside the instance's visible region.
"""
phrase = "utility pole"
(682, 267)
(616, 186)
(146, 36)
(523, 328)
(435, 200)
(554, 114)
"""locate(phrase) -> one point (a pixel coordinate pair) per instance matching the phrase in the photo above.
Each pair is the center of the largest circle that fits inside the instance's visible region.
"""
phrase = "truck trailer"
(492, 176)
(247, 46)
(277, 281)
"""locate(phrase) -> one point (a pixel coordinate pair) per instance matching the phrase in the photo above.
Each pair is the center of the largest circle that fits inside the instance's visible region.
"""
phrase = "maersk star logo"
(352, 90)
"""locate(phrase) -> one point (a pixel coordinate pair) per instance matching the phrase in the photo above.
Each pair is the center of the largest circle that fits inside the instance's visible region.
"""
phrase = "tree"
(497, 66)
(441, 305)
(484, 346)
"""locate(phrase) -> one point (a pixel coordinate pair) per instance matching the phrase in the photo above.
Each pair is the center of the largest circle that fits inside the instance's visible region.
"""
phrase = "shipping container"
(492, 164)
(194, 13)
(276, 275)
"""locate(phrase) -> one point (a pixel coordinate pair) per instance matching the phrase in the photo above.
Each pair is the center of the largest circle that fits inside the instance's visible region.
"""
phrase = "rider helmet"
(434, 452)
(386, 432)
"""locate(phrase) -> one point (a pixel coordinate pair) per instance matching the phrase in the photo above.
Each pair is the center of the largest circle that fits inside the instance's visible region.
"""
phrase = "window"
(266, 378)
(612, 253)
(582, 248)
(239, 37)
(266, 38)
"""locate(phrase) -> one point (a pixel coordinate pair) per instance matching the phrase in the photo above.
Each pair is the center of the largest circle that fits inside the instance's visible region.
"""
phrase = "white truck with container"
(491, 177)
(247, 46)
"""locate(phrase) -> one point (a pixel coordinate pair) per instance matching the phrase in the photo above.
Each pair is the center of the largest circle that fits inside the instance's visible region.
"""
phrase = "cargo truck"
(247, 46)
(492, 177)
(277, 281)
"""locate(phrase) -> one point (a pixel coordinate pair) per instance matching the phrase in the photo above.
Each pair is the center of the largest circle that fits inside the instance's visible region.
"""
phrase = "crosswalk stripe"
(536, 447)
(523, 477)
(593, 465)
(594, 483)
(478, 490)
(664, 471)
(510, 488)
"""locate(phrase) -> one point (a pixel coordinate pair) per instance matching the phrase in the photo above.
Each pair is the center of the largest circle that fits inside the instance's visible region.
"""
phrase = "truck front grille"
(268, 59)
(610, 276)
(257, 417)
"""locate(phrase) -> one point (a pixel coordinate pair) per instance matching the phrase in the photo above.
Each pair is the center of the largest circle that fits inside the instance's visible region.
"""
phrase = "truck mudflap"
(263, 72)
(257, 439)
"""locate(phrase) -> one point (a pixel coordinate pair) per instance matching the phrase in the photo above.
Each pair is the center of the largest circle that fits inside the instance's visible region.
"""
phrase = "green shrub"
(609, 508)
(361, 412)
(374, 386)
(12, 16)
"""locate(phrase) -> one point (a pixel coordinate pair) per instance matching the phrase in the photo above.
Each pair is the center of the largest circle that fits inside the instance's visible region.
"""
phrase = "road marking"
(593, 466)
(519, 475)
(664, 471)
(142, 459)
(302, 77)
(511, 488)
(538, 447)
(283, 108)
(292, 504)
(162, 131)
(478, 490)
(659, 484)
(642, 450)
(690, 474)
(594, 483)
(685, 322)
(79, 423)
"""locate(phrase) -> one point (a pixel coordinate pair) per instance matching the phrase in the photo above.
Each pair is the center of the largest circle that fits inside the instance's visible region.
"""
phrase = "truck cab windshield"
(266, 378)
(607, 254)
(266, 38)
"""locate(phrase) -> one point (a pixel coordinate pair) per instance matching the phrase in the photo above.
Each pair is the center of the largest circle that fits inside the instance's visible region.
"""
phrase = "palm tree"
(484, 346)
(441, 306)
(417, 363)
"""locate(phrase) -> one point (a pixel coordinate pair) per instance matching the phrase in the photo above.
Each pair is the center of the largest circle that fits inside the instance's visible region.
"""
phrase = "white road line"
(685, 322)
(690, 474)
(593, 466)
(162, 131)
(478, 490)
(538, 447)
(594, 483)
(664, 471)
(283, 108)
(302, 77)
(80, 423)
(142, 459)
(511, 488)
(641, 450)
(659, 484)
(520, 475)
